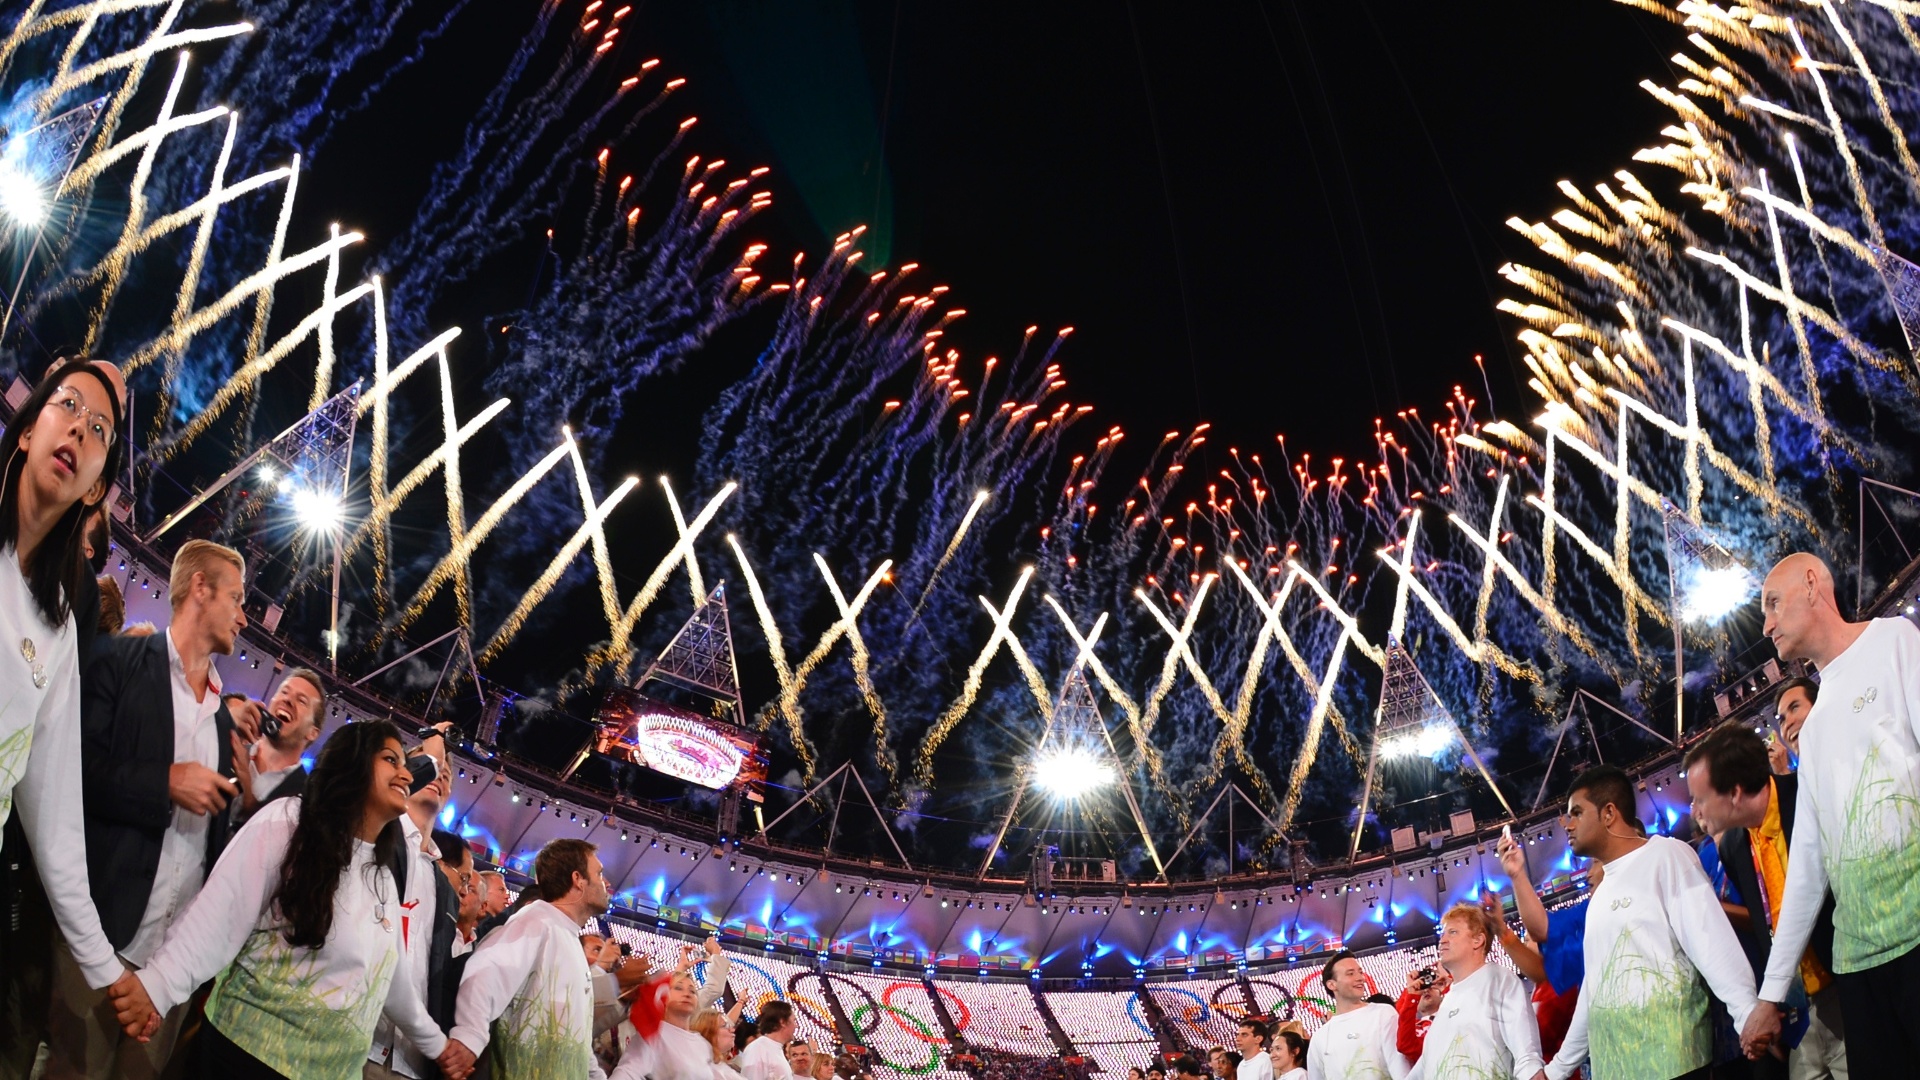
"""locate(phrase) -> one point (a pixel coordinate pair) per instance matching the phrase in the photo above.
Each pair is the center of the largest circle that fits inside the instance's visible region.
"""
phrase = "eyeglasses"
(68, 399)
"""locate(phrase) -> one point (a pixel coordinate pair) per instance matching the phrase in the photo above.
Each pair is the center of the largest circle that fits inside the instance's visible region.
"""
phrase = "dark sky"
(1275, 216)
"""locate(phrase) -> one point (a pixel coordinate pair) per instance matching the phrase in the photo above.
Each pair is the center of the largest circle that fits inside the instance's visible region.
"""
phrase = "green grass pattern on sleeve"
(13, 765)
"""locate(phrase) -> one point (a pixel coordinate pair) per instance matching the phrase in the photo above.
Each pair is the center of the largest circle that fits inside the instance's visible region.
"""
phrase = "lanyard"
(1759, 875)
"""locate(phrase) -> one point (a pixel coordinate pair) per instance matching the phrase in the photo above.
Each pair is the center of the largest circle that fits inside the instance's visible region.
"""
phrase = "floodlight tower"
(1074, 759)
(1411, 721)
(308, 469)
(34, 165)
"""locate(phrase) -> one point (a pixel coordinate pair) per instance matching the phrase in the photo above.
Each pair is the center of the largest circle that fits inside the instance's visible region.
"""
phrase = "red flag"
(650, 1005)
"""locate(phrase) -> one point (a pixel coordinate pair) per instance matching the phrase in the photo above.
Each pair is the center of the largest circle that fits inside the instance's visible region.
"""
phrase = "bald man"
(1857, 829)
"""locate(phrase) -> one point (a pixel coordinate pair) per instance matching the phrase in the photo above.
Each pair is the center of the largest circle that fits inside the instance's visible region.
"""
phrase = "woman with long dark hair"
(300, 920)
(57, 459)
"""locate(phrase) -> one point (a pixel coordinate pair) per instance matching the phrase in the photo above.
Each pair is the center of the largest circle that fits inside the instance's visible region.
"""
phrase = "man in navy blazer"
(157, 763)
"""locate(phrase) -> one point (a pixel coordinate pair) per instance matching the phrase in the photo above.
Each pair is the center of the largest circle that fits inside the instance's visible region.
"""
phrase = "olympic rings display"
(918, 1029)
(903, 1018)
(1289, 1000)
(1188, 1016)
(1133, 1013)
(1232, 1010)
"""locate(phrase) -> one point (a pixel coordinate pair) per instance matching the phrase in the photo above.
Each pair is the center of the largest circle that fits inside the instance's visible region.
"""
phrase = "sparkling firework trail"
(1693, 338)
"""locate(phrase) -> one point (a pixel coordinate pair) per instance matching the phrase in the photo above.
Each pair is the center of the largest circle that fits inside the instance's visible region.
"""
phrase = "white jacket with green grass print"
(306, 1013)
(527, 994)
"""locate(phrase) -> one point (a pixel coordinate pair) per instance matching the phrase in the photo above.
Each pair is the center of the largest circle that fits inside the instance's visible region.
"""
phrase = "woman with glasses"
(57, 459)
(300, 920)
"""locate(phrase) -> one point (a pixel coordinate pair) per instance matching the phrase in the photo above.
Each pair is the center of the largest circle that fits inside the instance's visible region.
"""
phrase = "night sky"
(1274, 217)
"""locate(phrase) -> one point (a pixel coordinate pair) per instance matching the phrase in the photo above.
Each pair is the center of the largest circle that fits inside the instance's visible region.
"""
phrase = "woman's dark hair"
(322, 845)
(58, 570)
(1296, 1045)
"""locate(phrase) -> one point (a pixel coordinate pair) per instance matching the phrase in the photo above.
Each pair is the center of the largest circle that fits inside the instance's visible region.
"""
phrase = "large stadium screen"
(681, 743)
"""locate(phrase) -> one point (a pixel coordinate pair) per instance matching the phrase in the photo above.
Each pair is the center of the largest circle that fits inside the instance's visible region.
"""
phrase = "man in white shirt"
(1485, 1026)
(765, 1058)
(156, 760)
(1360, 1039)
(1251, 1038)
(526, 990)
(1856, 832)
(1656, 941)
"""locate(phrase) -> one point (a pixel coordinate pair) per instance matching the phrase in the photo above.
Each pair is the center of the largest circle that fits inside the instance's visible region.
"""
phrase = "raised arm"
(1533, 913)
(718, 968)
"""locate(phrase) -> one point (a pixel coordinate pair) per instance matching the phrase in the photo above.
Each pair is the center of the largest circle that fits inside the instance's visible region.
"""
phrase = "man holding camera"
(1485, 1024)
(271, 767)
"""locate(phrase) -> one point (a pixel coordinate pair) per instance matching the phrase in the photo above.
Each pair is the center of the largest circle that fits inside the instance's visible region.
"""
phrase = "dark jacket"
(444, 970)
(237, 815)
(126, 721)
(1736, 856)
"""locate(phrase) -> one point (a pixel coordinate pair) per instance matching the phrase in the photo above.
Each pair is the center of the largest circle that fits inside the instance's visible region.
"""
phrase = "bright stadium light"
(318, 511)
(1710, 593)
(1428, 741)
(22, 200)
(1070, 772)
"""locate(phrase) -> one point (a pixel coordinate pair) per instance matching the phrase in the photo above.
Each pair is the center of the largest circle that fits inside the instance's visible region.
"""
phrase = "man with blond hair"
(1485, 1024)
(156, 754)
(1856, 830)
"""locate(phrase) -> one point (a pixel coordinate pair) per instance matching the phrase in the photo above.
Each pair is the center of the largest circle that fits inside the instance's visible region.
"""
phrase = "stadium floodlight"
(23, 200)
(1429, 741)
(1710, 593)
(1069, 772)
(1706, 583)
(318, 511)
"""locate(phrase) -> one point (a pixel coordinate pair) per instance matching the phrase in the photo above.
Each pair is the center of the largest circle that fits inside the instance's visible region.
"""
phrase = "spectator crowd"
(186, 897)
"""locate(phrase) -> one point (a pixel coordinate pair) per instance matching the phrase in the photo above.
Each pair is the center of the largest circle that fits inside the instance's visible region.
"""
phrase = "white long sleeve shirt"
(764, 1059)
(416, 921)
(1257, 1067)
(527, 991)
(40, 765)
(674, 1053)
(305, 1013)
(183, 847)
(1358, 1045)
(1485, 1030)
(1856, 827)
(1654, 930)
